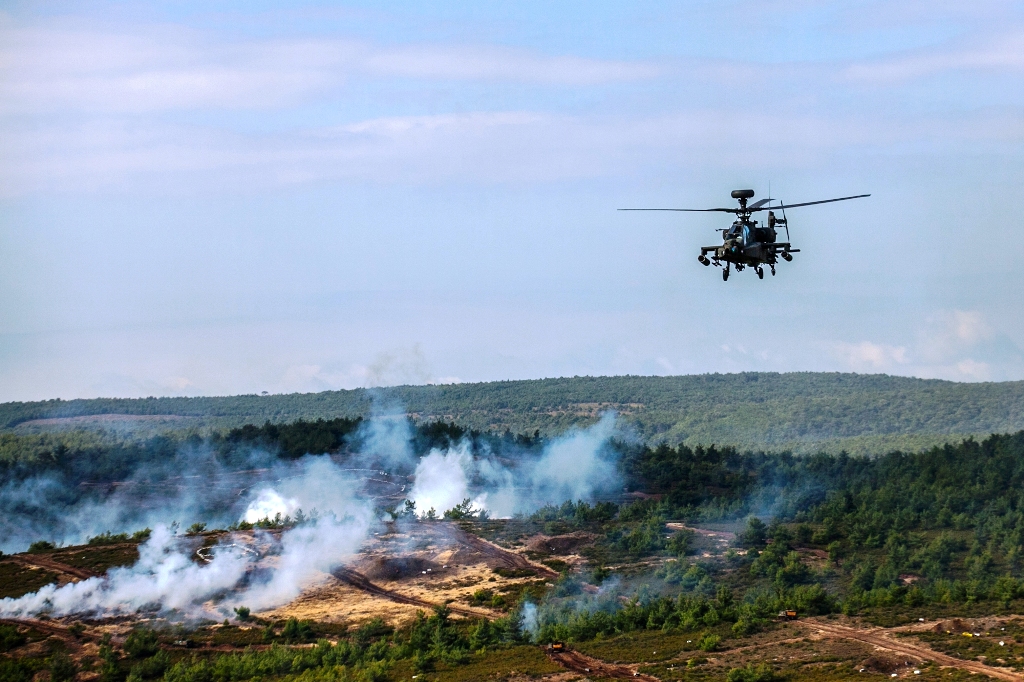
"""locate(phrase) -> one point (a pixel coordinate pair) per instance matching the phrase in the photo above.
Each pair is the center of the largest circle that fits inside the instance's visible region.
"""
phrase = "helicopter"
(747, 243)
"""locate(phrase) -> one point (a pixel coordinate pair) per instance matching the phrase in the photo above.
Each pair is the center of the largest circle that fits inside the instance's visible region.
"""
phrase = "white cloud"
(959, 345)
(971, 369)
(84, 113)
(502, 64)
(666, 366)
(969, 326)
(870, 357)
(310, 378)
(62, 68)
(475, 147)
(1001, 53)
(949, 334)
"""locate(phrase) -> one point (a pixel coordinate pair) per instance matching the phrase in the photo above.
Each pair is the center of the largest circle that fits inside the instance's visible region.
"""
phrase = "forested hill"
(804, 411)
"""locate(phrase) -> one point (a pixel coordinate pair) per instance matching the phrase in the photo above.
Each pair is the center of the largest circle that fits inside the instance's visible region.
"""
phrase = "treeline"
(295, 439)
(800, 411)
(80, 455)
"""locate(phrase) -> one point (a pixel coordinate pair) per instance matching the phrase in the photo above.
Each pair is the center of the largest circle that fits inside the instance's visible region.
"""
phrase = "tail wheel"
(725, 275)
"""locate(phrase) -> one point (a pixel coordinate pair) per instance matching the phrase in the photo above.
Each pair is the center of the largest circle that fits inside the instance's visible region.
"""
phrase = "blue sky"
(216, 198)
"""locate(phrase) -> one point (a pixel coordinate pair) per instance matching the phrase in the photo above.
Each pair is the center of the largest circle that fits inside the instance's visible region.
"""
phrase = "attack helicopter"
(747, 243)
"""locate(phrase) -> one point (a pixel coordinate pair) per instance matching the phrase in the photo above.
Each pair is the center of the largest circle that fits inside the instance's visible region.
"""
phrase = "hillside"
(803, 411)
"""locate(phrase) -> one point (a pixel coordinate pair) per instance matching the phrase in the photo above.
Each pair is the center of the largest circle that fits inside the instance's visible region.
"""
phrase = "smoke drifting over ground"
(337, 514)
(575, 466)
(167, 579)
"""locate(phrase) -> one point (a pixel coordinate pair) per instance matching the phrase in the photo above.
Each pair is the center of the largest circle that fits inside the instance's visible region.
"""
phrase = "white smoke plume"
(166, 579)
(192, 485)
(163, 578)
(308, 554)
(575, 466)
(386, 436)
(270, 504)
(441, 480)
(529, 622)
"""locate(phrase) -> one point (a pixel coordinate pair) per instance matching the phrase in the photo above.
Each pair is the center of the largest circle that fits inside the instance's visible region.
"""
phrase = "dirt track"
(40, 561)
(595, 667)
(361, 582)
(880, 638)
(51, 629)
(505, 557)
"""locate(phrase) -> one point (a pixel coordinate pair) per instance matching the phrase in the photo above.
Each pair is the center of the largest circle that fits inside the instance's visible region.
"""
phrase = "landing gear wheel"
(725, 274)
(773, 271)
(760, 272)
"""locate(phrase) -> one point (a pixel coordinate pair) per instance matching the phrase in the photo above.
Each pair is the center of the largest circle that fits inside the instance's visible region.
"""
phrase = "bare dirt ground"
(503, 557)
(407, 570)
(361, 582)
(42, 561)
(595, 667)
(882, 639)
(722, 536)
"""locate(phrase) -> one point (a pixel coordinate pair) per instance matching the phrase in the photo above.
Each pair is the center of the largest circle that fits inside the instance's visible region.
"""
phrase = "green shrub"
(681, 543)
(151, 668)
(61, 667)
(10, 638)
(371, 630)
(752, 673)
(108, 538)
(15, 671)
(297, 631)
(141, 643)
(709, 642)
(481, 597)
(756, 533)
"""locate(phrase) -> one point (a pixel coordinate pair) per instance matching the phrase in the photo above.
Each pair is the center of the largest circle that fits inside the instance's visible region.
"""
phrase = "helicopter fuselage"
(748, 244)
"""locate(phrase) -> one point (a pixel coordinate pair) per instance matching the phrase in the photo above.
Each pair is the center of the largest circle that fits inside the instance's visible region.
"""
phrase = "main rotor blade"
(701, 210)
(758, 204)
(807, 203)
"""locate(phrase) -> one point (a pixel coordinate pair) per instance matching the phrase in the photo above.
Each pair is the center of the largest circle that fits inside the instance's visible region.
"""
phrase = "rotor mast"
(742, 195)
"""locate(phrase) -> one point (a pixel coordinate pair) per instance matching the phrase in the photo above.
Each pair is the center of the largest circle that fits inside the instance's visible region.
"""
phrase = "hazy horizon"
(457, 383)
